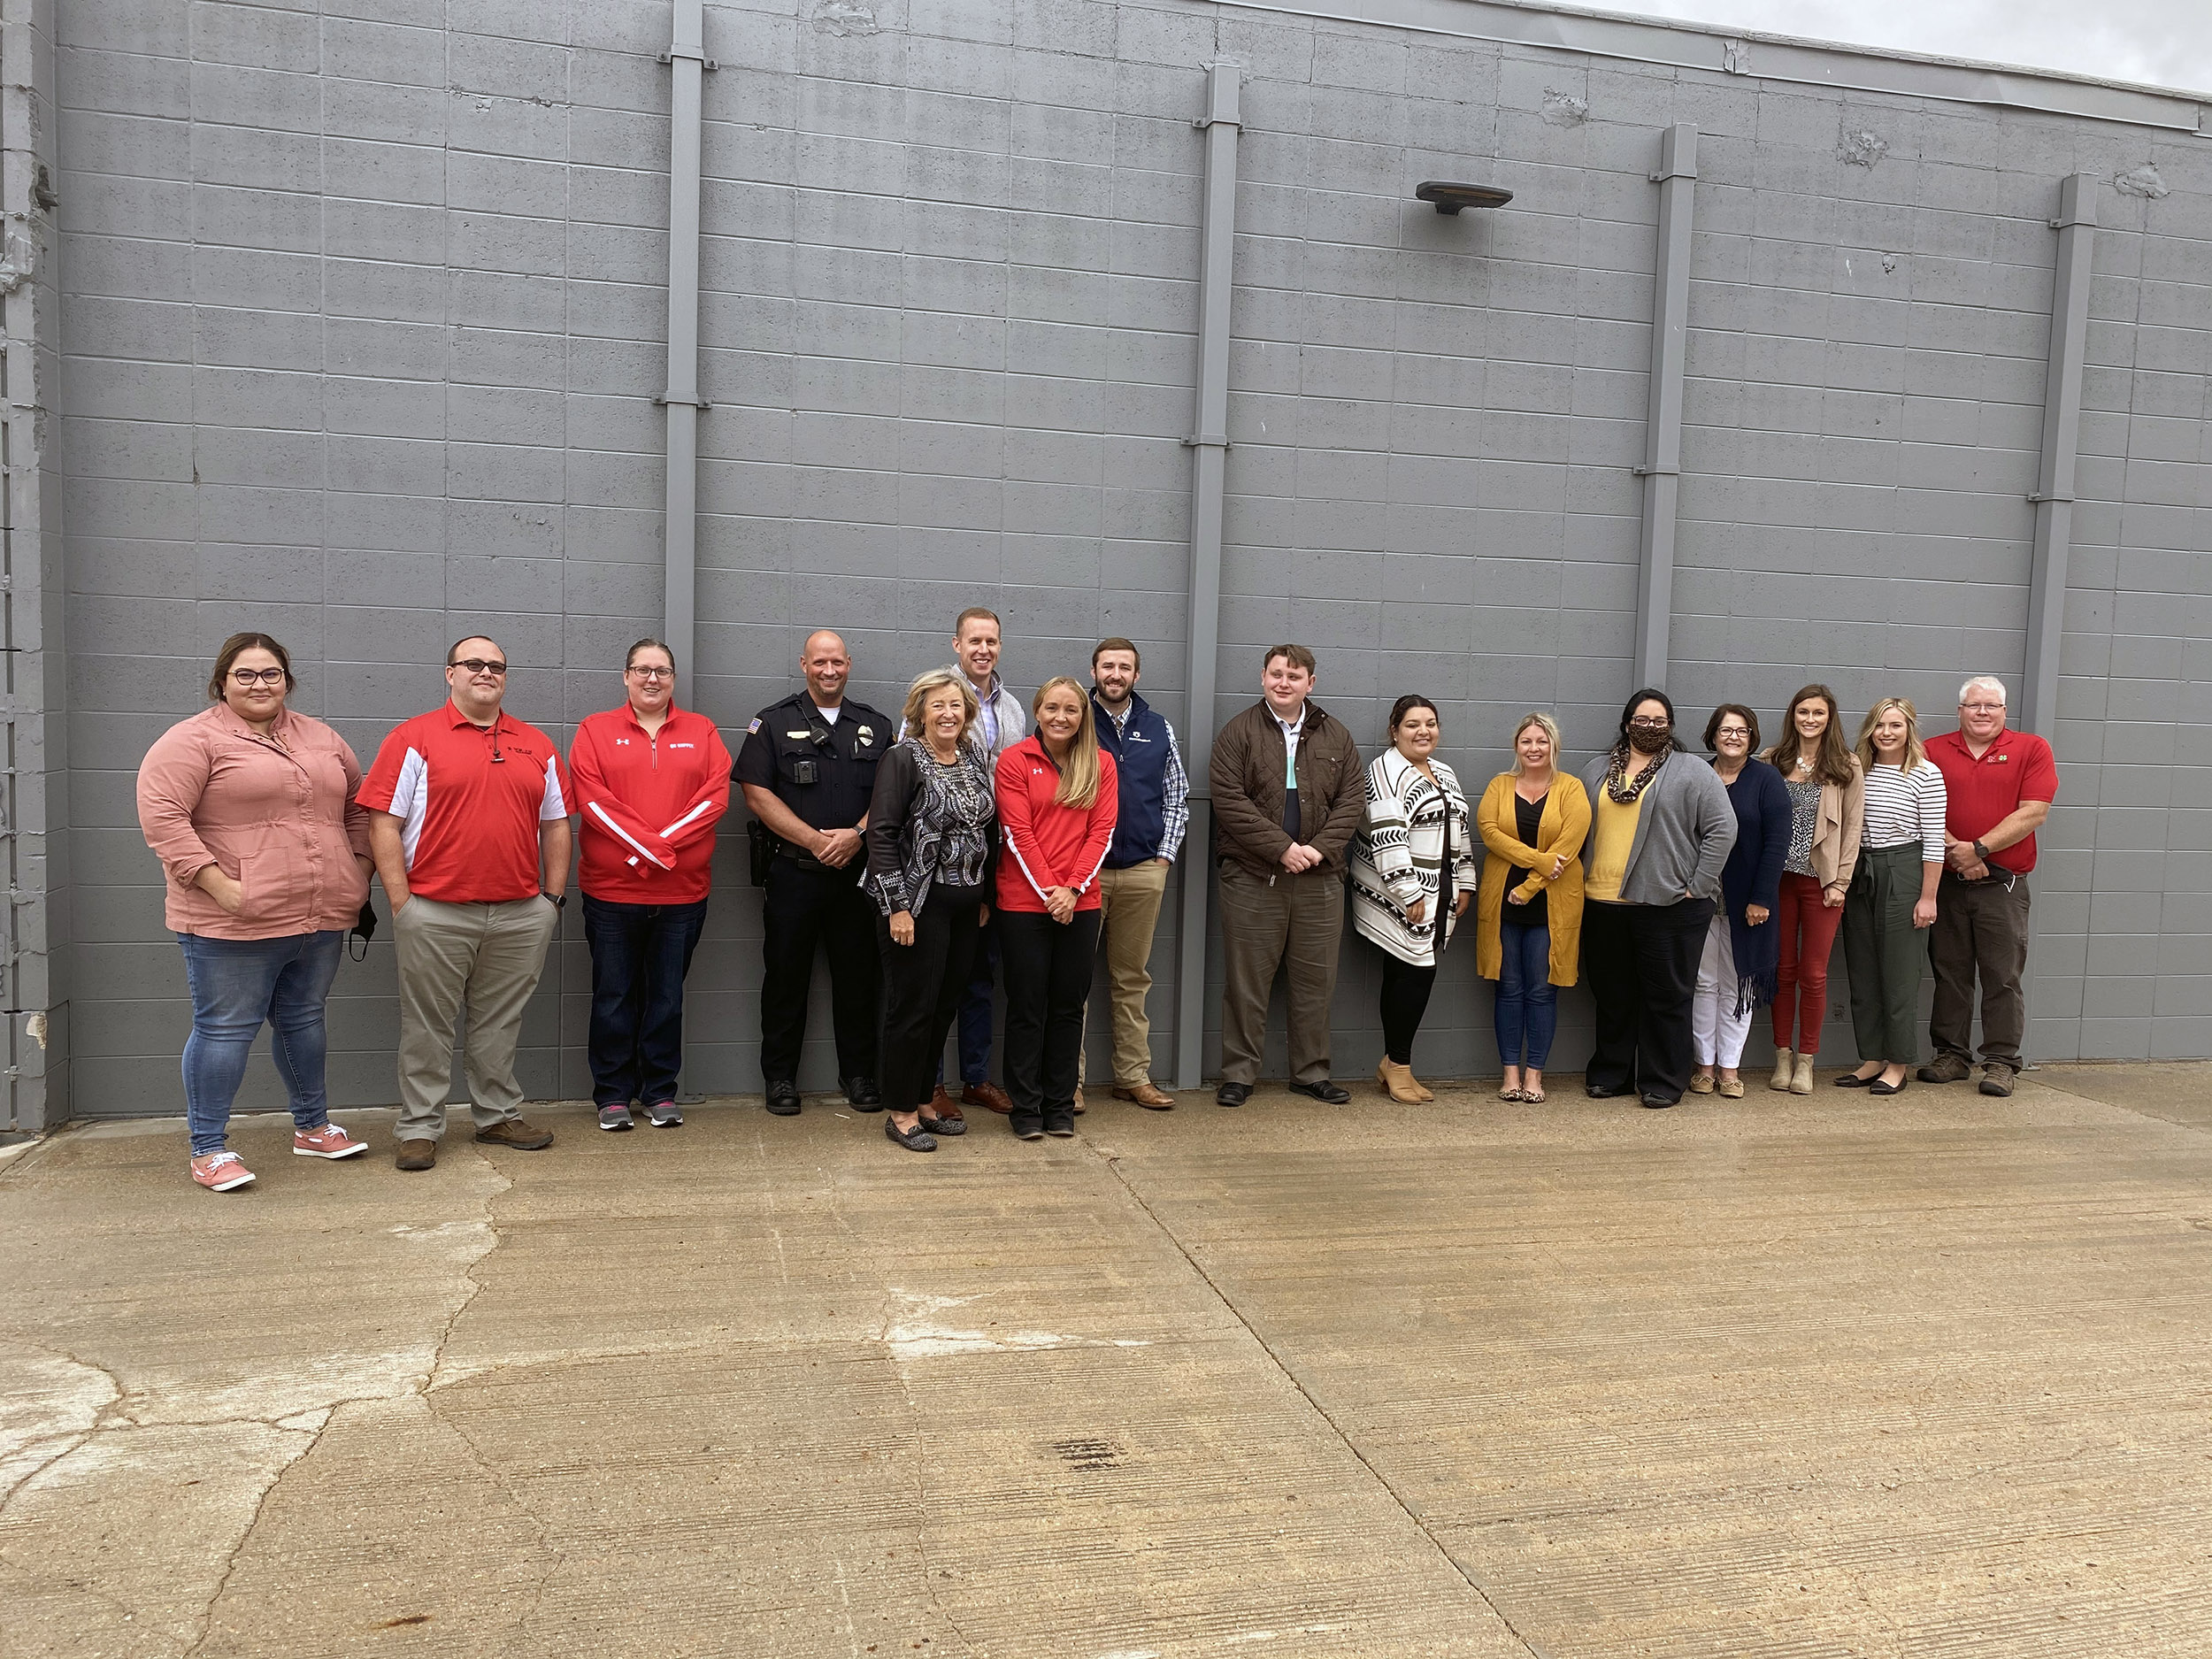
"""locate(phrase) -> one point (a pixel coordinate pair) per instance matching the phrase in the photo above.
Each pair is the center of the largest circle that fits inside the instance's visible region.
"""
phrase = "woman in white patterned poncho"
(1413, 876)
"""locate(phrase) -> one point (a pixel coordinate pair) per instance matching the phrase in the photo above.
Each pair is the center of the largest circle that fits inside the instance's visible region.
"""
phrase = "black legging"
(1405, 998)
(1049, 967)
(922, 983)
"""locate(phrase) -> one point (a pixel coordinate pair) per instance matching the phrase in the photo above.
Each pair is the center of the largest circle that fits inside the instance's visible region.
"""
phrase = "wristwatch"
(1981, 852)
(560, 900)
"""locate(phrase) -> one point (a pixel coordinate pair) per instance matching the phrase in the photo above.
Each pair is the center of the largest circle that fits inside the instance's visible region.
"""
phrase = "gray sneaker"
(664, 1116)
(616, 1118)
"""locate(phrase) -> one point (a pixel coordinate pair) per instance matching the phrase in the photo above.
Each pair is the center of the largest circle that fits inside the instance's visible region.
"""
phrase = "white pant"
(1717, 1029)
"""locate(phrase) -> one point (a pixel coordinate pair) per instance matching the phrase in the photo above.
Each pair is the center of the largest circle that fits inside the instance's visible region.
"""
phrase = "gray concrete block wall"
(365, 313)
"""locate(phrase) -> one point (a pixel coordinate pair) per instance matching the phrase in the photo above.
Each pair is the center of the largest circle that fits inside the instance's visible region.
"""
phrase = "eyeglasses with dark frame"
(651, 673)
(480, 664)
(1649, 723)
(246, 679)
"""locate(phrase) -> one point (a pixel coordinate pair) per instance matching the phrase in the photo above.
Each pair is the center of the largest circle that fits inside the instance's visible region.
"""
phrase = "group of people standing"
(970, 841)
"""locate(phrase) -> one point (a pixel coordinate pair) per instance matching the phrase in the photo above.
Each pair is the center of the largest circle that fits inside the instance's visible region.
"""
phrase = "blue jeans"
(238, 984)
(1527, 1006)
(639, 953)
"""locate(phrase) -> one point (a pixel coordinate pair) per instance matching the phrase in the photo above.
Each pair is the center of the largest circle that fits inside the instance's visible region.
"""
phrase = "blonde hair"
(1535, 716)
(1915, 756)
(917, 696)
(1079, 774)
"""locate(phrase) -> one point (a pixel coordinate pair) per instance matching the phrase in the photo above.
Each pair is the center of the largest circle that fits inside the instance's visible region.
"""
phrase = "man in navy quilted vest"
(1146, 837)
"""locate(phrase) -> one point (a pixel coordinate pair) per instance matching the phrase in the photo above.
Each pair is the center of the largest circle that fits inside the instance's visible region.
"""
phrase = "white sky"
(2164, 42)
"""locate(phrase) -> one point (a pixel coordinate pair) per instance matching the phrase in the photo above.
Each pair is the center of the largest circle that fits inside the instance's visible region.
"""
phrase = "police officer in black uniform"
(807, 768)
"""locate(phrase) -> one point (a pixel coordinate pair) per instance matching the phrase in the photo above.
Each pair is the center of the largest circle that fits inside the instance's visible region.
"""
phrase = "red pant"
(1809, 933)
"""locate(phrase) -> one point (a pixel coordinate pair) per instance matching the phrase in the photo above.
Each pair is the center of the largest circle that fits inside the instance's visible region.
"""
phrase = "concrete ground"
(1776, 1376)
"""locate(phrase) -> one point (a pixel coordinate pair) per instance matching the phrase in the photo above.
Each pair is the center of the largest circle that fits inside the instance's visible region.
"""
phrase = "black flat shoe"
(939, 1125)
(1880, 1088)
(1598, 1091)
(1033, 1133)
(1232, 1093)
(783, 1099)
(915, 1140)
(1657, 1102)
(1852, 1080)
(1327, 1093)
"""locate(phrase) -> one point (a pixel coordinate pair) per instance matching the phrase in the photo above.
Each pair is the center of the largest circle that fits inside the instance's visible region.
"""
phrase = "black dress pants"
(922, 983)
(1640, 961)
(804, 906)
(1049, 969)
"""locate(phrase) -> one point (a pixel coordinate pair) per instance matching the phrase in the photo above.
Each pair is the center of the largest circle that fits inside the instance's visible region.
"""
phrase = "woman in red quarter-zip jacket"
(652, 781)
(1056, 803)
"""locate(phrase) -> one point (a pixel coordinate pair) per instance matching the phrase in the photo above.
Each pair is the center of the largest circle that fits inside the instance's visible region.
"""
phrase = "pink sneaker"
(220, 1171)
(329, 1141)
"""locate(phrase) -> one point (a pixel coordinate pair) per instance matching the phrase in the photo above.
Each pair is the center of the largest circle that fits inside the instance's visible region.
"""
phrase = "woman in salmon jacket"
(251, 808)
(1057, 799)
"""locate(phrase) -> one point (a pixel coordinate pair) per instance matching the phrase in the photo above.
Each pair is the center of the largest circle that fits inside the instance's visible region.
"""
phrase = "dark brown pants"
(1293, 923)
(1981, 927)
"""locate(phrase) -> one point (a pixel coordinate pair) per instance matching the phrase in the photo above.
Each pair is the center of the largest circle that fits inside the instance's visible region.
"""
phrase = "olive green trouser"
(1885, 954)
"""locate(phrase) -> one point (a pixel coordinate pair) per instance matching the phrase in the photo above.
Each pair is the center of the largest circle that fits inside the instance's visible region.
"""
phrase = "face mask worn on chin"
(1647, 740)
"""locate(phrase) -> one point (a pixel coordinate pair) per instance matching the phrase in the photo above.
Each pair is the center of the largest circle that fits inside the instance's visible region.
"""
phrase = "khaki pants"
(1129, 910)
(487, 957)
(1295, 923)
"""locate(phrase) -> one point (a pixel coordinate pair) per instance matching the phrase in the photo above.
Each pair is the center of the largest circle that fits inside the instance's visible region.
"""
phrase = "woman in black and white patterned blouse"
(1893, 895)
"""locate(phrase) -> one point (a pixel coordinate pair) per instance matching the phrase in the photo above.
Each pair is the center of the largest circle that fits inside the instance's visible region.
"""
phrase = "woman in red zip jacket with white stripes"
(1058, 800)
(652, 780)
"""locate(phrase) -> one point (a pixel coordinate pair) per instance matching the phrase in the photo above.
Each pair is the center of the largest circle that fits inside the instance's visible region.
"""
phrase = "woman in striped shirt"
(1893, 895)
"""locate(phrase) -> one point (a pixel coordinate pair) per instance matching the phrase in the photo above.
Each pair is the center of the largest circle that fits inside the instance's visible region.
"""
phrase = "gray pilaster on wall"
(33, 762)
(1662, 470)
(2054, 497)
(1209, 445)
(688, 61)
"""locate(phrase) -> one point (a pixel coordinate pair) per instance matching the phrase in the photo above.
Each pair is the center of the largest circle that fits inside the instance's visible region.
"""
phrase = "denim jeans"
(1527, 1006)
(237, 985)
(639, 953)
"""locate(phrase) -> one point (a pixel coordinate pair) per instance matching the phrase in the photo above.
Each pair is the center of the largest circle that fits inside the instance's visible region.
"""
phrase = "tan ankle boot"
(1801, 1078)
(1398, 1081)
(1784, 1065)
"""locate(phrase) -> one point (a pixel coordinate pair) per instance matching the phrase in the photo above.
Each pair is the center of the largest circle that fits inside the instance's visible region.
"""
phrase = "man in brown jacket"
(1288, 792)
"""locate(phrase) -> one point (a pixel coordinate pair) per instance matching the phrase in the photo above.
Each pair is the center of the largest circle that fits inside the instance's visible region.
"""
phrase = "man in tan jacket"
(1288, 792)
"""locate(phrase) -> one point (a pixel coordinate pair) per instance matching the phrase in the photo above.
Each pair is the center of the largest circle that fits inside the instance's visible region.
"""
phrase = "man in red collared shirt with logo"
(468, 823)
(1998, 788)
(652, 780)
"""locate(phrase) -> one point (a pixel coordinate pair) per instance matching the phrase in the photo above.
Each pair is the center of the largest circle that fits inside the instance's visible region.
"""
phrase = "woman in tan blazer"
(1528, 933)
(1827, 789)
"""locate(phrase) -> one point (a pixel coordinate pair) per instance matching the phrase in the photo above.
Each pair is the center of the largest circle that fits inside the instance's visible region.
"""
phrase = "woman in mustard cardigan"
(1529, 937)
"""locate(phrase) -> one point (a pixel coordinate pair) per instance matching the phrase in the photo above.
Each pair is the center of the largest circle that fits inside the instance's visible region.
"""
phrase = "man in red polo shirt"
(1998, 789)
(468, 823)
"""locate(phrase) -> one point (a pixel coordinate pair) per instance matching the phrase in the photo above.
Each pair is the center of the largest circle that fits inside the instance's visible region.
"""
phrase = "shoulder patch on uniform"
(755, 726)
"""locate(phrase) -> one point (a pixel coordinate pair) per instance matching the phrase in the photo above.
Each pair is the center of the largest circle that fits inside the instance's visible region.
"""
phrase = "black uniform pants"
(922, 983)
(803, 907)
(1049, 969)
(1642, 962)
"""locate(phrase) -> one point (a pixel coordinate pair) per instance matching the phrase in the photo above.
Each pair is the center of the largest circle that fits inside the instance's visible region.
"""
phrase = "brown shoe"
(944, 1107)
(1146, 1095)
(1997, 1079)
(1079, 1097)
(1947, 1067)
(516, 1134)
(990, 1096)
(418, 1155)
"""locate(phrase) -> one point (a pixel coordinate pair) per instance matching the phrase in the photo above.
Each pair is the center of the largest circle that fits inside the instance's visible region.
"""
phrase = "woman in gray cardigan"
(1659, 834)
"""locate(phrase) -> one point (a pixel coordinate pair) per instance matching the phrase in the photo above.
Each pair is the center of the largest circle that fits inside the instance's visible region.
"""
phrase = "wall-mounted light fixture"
(1449, 198)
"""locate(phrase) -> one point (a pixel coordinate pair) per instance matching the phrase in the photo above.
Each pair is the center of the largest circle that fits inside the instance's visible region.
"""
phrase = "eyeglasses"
(479, 665)
(1983, 708)
(1650, 724)
(652, 673)
(246, 679)
(1732, 731)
